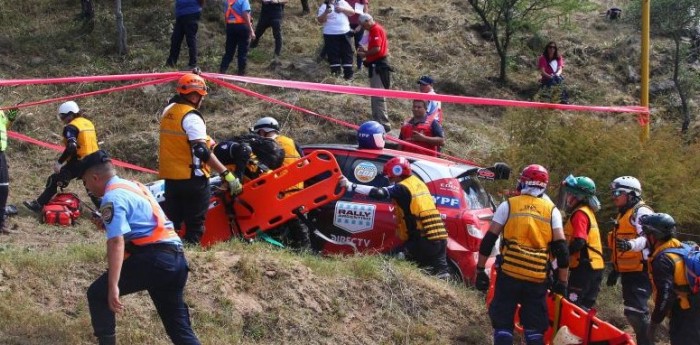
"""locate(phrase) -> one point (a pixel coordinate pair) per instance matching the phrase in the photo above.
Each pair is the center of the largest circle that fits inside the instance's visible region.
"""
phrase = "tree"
(121, 29)
(87, 11)
(505, 19)
(675, 19)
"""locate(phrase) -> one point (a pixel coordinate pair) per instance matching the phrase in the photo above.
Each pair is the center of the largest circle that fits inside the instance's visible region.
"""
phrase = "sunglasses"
(617, 193)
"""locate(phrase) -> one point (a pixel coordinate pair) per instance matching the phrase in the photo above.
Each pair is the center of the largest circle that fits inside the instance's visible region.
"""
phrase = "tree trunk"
(121, 30)
(87, 11)
(679, 86)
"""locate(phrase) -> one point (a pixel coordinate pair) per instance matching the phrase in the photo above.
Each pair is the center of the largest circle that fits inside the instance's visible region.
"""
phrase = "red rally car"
(358, 223)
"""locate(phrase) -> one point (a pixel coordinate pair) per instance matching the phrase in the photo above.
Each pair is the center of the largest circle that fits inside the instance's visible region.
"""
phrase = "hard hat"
(627, 184)
(661, 225)
(397, 166)
(534, 175)
(191, 82)
(267, 124)
(67, 108)
(370, 135)
(581, 186)
(565, 337)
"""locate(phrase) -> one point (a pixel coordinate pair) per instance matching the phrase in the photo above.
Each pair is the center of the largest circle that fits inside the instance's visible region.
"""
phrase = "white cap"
(365, 17)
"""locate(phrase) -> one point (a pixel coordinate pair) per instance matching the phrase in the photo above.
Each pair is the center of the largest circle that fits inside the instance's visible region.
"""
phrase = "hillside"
(252, 294)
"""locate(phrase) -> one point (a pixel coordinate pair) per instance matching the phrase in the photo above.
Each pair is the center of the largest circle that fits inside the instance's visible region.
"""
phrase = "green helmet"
(580, 186)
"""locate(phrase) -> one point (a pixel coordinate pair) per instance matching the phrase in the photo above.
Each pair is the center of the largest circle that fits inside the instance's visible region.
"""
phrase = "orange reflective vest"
(176, 160)
(87, 137)
(526, 237)
(422, 212)
(291, 155)
(594, 245)
(680, 279)
(424, 128)
(231, 16)
(160, 232)
(628, 261)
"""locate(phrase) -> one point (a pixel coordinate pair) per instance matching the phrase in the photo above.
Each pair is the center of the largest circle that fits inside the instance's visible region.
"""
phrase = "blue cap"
(425, 80)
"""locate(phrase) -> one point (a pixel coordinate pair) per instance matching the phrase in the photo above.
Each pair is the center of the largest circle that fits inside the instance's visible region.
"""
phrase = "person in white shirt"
(337, 36)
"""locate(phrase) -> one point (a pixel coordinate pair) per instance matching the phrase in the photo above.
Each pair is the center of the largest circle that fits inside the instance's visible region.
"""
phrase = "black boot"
(107, 340)
(640, 324)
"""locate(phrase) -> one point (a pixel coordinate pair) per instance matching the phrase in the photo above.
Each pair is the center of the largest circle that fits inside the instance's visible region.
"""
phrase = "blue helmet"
(370, 135)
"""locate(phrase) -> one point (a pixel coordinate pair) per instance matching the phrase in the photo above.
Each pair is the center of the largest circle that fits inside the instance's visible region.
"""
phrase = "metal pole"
(644, 119)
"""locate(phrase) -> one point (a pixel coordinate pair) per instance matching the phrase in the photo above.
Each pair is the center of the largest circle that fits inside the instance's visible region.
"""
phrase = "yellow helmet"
(191, 82)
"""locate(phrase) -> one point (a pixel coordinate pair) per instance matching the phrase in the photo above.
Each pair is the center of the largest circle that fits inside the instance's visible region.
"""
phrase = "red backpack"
(63, 209)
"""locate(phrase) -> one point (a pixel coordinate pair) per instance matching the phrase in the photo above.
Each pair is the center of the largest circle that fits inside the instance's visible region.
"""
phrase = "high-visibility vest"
(680, 279)
(593, 246)
(176, 159)
(422, 218)
(87, 137)
(291, 155)
(231, 16)
(4, 123)
(526, 237)
(424, 128)
(629, 261)
(160, 231)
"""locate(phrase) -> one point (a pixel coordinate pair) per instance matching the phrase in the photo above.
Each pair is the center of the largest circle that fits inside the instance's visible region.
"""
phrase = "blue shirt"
(126, 214)
(241, 6)
(183, 7)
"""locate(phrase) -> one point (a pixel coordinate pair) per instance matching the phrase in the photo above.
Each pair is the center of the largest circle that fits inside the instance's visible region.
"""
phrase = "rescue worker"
(143, 253)
(630, 253)
(5, 123)
(583, 237)
(370, 135)
(249, 156)
(268, 127)
(80, 140)
(185, 159)
(532, 230)
(672, 293)
(422, 131)
(419, 222)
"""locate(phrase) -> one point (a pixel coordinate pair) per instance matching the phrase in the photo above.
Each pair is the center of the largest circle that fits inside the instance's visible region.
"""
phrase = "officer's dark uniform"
(271, 15)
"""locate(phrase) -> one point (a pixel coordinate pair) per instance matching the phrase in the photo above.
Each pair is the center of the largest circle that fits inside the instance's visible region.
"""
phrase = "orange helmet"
(191, 82)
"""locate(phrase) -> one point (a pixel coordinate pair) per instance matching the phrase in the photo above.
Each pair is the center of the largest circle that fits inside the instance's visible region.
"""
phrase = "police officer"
(5, 123)
(80, 140)
(532, 230)
(268, 127)
(239, 32)
(629, 254)
(673, 295)
(271, 14)
(583, 237)
(185, 159)
(143, 253)
(420, 223)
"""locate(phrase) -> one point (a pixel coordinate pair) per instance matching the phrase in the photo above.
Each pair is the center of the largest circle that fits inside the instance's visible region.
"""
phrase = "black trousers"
(187, 201)
(62, 179)
(533, 307)
(584, 285)
(237, 38)
(340, 53)
(4, 186)
(185, 27)
(429, 255)
(269, 20)
(684, 326)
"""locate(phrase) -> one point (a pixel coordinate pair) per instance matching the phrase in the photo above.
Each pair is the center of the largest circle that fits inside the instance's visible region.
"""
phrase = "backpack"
(691, 258)
(63, 209)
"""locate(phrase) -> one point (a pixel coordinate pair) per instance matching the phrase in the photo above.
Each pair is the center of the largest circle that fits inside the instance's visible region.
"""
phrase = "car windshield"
(475, 194)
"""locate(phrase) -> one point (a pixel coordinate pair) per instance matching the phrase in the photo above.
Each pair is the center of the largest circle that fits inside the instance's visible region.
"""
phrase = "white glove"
(344, 182)
(57, 167)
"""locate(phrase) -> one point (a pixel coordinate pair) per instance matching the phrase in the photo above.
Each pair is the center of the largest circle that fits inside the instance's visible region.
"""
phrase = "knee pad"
(533, 337)
(502, 337)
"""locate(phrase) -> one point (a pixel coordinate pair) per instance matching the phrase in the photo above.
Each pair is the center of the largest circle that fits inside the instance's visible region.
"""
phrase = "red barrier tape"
(209, 76)
(365, 91)
(92, 93)
(22, 137)
(89, 79)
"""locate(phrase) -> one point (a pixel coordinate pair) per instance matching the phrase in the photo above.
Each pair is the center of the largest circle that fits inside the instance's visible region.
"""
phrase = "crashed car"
(357, 223)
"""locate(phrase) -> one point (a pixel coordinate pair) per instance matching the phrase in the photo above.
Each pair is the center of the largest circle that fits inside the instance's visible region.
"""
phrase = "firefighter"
(143, 253)
(185, 159)
(630, 253)
(672, 292)
(532, 230)
(79, 140)
(268, 127)
(419, 222)
(583, 237)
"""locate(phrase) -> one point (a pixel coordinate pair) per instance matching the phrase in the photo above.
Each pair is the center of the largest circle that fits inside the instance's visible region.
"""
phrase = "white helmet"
(627, 184)
(267, 124)
(68, 108)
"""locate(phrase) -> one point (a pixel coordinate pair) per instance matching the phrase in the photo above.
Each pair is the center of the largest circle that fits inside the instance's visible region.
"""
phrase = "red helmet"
(191, 82)
(534, 175)
(397, 166)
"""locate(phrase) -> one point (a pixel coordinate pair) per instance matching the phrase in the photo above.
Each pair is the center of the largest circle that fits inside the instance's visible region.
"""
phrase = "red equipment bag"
(63, 209)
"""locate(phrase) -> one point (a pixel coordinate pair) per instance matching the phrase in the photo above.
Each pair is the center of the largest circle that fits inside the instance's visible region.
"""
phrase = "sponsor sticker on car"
(446, 201)
(365, 172)
(354, 217)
